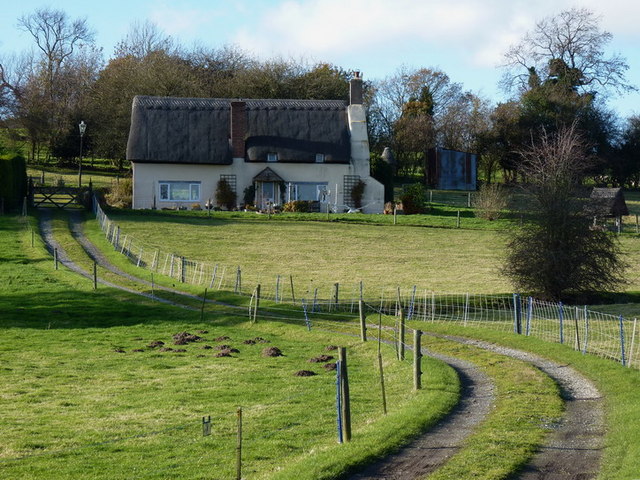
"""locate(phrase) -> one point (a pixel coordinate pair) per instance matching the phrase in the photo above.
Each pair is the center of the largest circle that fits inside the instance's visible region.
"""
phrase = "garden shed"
(608, 202)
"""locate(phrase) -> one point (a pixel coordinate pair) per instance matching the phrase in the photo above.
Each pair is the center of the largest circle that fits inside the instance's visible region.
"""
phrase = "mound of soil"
(203, 332)
(138, 350)
(329, 366)
(222, 339)
(249, 342)
(179, 350)
(223, 347)
(157, 343)
(271, 352)
(166, 349)
(321, 359)
(223, 353)
(304, 373)
(331, 347)
(119, 350)
(184, 338)
(207, 347)
(260, 340)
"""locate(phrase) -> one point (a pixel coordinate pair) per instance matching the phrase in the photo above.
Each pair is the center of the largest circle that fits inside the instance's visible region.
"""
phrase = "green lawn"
(79, 401)
(321, 253)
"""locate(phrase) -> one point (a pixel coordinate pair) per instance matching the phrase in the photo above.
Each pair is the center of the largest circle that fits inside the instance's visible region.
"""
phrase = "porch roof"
(267, 175)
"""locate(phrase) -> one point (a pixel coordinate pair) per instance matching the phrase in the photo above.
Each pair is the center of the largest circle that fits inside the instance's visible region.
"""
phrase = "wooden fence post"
(238, 286)
(363, 324)
(293, 293)
(55, 258)
(336, 289)
(95, 276)
(417, 360)
(239, 445)
(204, 299)
(384, 395)
(344, 389)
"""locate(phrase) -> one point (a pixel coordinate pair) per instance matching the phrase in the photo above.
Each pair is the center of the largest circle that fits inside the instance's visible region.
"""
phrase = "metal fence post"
(561, 315)
(622, 352)
(529, 314)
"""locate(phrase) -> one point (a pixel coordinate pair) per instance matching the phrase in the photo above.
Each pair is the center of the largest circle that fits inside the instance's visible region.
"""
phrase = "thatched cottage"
(318, 150)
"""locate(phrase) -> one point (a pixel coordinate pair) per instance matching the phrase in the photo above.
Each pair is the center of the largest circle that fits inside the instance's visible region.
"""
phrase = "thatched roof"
(197, 130)
(608, 202)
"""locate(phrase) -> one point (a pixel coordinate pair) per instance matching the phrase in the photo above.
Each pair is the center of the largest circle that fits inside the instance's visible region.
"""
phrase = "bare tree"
(56, 36)
(557, 253)
(55, 82)
(570, 44)
(144, 38)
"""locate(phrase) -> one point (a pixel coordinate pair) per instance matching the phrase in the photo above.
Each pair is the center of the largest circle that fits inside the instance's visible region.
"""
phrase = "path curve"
(574, 450)
(431, 450)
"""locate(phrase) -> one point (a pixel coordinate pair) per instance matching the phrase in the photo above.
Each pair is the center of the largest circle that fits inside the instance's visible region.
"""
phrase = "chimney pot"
(355, 89)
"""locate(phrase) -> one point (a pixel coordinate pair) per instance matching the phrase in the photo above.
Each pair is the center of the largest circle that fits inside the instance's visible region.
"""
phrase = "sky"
(464, 38)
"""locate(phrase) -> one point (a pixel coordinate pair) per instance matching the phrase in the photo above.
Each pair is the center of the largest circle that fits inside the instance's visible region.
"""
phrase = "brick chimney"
(355, 89)
(238, 128)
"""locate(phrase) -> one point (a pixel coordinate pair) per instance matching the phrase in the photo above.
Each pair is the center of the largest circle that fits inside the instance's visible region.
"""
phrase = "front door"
(268, 194)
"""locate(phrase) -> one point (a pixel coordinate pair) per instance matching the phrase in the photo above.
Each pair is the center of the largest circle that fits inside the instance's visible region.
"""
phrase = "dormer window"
(319, 157)
(272, 157)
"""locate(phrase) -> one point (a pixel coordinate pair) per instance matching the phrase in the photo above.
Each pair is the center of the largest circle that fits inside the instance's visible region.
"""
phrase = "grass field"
(324, 253)
(320, 253)
(79, 400)
(92, 407)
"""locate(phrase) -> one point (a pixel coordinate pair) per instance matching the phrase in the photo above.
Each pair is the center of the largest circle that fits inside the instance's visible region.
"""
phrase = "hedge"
(13, 182)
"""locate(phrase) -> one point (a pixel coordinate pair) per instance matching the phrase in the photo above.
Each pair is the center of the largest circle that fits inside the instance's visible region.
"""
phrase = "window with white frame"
(179, 191)
(272, 157)
(319, 157)
(310, 191)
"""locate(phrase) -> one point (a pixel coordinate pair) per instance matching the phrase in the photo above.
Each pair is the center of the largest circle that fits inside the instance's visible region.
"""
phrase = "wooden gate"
(56, 197)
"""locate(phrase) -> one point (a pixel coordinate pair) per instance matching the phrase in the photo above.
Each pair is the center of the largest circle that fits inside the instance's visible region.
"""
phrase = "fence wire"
(604, 335)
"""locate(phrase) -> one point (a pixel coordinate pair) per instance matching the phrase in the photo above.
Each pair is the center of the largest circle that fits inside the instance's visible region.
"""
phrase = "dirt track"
(572, 453)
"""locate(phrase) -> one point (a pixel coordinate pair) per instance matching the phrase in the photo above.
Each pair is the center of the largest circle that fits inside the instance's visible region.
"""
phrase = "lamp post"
(82, 127)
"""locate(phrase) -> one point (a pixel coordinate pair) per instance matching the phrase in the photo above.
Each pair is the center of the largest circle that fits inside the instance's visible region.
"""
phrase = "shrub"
(357, 192)
(389, 207)
(120, 194)
(303, 206)
(249, 195)
(490, 201)
(13, 181)
(413, 199)
(225, 196)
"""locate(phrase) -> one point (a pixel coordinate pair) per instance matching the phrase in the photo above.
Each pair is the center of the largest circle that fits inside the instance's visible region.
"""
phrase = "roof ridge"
(157, 102)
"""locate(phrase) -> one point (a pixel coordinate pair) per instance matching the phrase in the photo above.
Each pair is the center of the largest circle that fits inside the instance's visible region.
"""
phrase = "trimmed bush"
(413, 199)
(225, 196)
(13, 181)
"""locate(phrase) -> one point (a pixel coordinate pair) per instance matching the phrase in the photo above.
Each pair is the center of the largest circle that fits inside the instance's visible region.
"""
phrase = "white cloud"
(479, 30)
(182, 21)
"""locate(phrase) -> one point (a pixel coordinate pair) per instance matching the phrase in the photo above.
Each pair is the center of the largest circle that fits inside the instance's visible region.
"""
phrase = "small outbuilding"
(608, 202)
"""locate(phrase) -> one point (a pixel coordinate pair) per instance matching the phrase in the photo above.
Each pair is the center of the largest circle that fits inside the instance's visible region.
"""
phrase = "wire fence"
(608, 336)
